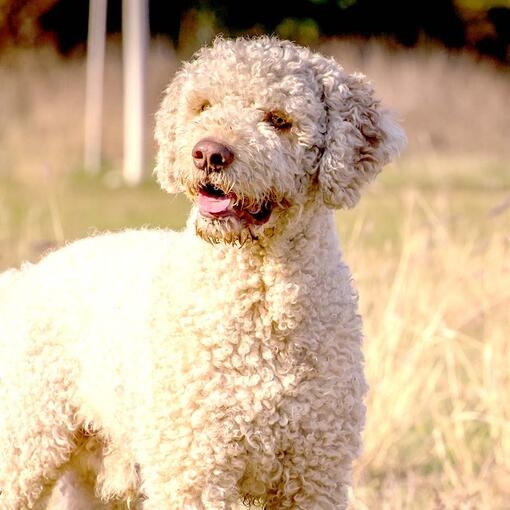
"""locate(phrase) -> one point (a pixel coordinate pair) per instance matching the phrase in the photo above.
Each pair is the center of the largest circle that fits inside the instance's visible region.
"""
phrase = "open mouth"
(214, 203)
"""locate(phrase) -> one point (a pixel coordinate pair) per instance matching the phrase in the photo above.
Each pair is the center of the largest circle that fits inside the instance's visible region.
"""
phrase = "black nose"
(211, 156)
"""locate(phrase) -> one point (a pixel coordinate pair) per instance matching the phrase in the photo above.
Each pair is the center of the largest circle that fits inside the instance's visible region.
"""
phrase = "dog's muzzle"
(210, 155)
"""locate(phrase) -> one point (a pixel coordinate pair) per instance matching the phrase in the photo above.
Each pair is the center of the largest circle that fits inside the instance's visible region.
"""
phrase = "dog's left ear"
(360, 138)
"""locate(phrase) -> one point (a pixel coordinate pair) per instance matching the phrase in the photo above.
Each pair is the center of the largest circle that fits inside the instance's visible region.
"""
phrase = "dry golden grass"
(429, 246)
(437, 359)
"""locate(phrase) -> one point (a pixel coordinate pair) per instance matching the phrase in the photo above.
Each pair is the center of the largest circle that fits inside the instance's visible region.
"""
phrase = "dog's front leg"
(188, 469)
(205, 487)
(31, 455)
(311, 480)
(37, 431)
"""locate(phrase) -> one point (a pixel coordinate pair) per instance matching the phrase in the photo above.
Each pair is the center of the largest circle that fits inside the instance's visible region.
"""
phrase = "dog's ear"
(360, 138)
(164, 134)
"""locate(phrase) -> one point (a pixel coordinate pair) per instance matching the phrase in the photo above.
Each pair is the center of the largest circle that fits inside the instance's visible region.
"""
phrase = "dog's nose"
(211, 156)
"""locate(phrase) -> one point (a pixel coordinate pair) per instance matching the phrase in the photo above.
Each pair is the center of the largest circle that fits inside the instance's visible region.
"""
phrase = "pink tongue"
(213, 205)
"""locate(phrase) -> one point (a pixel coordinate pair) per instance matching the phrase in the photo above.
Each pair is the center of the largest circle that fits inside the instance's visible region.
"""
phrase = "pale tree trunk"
(135, 32)
(94, 85)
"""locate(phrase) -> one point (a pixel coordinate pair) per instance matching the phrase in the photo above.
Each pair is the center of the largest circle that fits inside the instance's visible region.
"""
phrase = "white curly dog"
(221, 365)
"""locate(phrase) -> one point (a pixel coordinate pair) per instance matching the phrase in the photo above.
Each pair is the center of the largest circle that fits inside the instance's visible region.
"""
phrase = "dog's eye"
(204, 105)
(278, 120)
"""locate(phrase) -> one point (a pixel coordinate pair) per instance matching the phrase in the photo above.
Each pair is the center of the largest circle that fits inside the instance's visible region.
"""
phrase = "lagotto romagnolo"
(219, 366)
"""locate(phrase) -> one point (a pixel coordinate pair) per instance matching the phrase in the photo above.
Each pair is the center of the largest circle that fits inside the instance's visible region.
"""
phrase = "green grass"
(34, 217)
(469, 207)
(53, 211)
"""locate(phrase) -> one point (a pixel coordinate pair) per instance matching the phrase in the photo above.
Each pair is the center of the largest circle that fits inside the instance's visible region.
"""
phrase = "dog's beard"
(225, 230)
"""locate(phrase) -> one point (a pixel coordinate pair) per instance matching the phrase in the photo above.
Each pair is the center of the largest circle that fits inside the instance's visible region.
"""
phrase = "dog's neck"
(281, 277)
(303, 246)
(309, 229)
(300, 232)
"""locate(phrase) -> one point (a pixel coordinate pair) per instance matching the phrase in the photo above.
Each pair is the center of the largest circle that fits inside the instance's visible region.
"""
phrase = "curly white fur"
(160, 370)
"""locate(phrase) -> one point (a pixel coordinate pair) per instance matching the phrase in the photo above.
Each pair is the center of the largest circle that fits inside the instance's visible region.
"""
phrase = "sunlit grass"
(34, 218)
(429, 246)
(437, 358)
(432, 266)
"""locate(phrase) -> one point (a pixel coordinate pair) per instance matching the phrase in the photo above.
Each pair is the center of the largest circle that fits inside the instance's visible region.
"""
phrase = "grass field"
(429, 246)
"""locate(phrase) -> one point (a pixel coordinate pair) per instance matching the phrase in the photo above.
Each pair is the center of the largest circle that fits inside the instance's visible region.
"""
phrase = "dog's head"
(253, 129)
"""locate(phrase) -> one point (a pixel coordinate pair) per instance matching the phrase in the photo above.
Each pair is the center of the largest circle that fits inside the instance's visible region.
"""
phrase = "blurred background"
(429, 243)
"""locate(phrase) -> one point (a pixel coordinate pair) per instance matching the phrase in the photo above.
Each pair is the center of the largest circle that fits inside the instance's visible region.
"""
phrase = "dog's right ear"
(361, 137)
(165, 135)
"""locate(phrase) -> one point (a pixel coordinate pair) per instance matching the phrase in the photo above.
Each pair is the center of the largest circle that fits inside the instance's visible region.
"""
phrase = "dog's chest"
(231, 335)
(238, 300)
